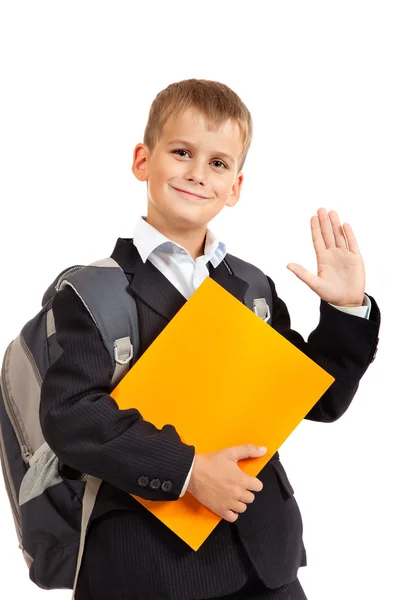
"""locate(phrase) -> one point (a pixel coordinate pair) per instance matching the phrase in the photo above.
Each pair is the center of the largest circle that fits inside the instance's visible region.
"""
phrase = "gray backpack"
(52, 512)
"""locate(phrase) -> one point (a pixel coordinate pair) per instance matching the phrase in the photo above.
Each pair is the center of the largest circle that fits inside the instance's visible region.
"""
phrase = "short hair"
(214, 100)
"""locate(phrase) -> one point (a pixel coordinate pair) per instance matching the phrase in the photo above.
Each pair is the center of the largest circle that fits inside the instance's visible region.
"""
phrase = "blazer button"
(143, 481)
(155, 484)
(166, 486)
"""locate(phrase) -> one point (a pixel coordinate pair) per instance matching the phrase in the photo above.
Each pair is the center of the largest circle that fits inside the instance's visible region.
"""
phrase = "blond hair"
(214, 100)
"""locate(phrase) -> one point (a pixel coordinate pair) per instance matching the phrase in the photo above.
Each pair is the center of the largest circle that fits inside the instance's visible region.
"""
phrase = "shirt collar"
(148, 239)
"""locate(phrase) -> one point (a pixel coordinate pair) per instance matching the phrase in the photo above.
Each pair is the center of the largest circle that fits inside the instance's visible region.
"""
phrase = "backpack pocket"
(51, 514)
(20, 385)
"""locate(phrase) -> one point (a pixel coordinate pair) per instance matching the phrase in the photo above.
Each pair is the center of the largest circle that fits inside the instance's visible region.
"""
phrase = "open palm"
(341, 273)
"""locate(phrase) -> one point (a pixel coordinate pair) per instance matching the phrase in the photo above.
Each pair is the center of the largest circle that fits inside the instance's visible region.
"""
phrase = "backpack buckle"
(123, 350)
(261, 309)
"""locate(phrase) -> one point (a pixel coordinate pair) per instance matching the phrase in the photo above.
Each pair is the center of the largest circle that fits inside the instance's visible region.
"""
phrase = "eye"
(180, 150)
(221, 163)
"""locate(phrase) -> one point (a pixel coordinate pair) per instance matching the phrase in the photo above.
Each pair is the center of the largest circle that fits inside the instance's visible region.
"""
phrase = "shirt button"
(166, 486)
(155, 484)
(143, 481)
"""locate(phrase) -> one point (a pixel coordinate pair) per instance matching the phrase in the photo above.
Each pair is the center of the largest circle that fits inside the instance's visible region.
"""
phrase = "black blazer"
(127, 547)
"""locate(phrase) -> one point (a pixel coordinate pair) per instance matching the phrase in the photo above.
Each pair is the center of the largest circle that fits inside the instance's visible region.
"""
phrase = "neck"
(193, 240)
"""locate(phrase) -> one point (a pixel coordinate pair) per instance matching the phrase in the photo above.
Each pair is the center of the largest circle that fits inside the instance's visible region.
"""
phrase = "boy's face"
(191, 173)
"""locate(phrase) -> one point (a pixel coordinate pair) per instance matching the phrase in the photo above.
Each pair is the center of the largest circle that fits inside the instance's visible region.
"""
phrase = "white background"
(321, 80)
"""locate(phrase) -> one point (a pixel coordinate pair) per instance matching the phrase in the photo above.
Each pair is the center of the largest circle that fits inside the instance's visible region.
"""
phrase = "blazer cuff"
(359, 311)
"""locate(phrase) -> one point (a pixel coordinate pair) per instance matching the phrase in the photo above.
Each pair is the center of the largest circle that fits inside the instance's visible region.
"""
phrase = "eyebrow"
(227, 157)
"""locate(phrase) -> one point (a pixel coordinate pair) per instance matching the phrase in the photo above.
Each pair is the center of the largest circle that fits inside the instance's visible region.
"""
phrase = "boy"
(195, 145)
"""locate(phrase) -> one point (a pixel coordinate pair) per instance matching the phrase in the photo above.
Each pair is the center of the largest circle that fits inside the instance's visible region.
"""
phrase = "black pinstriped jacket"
(127, 547)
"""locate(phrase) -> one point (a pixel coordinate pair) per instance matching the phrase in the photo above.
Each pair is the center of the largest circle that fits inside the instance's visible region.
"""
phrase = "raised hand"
(341, 274)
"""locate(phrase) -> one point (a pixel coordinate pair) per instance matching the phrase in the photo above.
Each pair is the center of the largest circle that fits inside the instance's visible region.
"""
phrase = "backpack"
(52, 511)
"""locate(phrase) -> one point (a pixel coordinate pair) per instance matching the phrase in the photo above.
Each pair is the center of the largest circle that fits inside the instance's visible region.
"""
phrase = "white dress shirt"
(187, 274)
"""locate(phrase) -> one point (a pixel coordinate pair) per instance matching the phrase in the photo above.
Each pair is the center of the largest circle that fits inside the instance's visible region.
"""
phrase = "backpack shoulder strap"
(259, 295)
(103, 288)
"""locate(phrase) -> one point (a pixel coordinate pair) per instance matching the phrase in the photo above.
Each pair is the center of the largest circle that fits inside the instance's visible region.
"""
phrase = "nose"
(196, 172)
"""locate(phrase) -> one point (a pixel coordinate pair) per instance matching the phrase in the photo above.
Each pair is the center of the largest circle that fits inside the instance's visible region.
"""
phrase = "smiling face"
(191, 172)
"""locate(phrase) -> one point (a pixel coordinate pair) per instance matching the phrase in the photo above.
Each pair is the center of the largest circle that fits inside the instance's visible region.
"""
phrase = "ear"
(139, 165)
(236, 189)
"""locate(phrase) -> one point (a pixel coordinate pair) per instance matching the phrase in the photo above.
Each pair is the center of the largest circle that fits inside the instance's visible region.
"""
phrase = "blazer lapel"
(230, 282)
(156, 291)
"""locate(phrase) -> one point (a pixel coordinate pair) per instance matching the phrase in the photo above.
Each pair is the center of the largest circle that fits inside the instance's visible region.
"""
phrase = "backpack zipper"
(25, 451)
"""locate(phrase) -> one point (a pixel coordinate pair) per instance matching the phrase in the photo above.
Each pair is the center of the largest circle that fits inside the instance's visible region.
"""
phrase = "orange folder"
(223, 377)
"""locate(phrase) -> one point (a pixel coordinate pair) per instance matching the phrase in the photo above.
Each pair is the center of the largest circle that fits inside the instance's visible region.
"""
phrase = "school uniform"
(129, 553)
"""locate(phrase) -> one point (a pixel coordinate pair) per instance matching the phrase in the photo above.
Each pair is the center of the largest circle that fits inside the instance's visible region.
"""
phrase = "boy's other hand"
(218, 483)
(341, 275)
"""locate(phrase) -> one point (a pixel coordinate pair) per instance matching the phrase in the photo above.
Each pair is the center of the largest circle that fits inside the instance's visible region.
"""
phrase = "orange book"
(223, 377)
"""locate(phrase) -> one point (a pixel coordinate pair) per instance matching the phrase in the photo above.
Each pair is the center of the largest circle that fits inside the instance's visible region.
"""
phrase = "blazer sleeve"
(83, 424)
(342, 344)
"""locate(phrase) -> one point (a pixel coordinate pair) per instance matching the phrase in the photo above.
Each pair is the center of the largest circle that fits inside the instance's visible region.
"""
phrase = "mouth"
(190, 195)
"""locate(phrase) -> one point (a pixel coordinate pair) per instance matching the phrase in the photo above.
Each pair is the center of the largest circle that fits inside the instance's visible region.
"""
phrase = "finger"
(326, 228)
(351, 238)
(239, 507)
(338, 232)
(247, 497)
(254, 484)
(306, 276)
(247, 451)
(318, 240)
(230, 516)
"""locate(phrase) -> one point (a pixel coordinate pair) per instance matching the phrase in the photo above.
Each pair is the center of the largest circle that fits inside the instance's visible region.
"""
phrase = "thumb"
(247, 451)
(306, 276)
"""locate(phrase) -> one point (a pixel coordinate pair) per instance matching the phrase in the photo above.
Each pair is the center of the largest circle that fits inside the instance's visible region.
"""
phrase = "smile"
(190, 195)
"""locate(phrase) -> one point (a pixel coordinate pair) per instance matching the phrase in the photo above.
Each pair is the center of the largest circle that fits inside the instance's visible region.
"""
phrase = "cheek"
(223, 186)
(169, 167)
(173, 169)
(163, 170)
